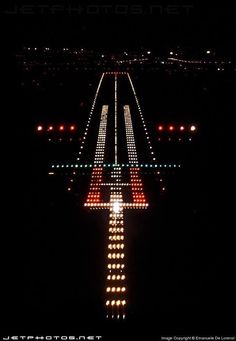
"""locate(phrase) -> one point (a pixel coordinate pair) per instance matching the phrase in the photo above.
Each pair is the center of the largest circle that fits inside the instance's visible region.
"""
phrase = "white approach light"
(116, 207)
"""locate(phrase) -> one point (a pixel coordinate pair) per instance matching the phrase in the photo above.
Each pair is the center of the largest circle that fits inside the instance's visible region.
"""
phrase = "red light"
(61, 128)
(39, 128)
(160, 128)
(72, 128)
(182, 128)
(171, 128)
(50, 128)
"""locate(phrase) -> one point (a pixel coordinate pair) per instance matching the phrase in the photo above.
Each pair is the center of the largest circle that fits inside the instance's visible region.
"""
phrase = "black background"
(208, 260)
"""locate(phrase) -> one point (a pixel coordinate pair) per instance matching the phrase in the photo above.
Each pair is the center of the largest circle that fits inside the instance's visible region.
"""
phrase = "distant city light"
(208, 52)
(61, 128)
(171, 53)
(160, 128)
(50, 128)
(171, 128)
(181, 128)
(193, 128)
(72, 127)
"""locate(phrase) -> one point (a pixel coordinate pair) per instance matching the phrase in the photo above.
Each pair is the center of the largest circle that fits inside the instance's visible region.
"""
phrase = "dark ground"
(180, 251)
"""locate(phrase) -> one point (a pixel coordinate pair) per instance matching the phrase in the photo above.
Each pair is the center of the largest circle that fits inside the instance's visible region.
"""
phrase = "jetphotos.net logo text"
(100, 9)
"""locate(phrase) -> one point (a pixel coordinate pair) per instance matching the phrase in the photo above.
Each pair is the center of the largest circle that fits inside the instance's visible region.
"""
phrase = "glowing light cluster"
(116, 289)
(131, 147)
(115, 73)
(116, 286)
(94, 191)
(116, 277)
(117, 303)
(53, 128)
(100, 148)
(176, 128)
(116, 266)
(117, 293)
(136, 183)
(104, 165)
(111, 175)
(90, 117)
(142, 119)
(115, 237)
(115, 246)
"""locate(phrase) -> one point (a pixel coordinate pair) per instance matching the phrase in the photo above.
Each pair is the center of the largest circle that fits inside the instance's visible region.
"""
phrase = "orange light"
(72, 128)
(61, 128)
(160, 128)
(171, 128)
(50, 128)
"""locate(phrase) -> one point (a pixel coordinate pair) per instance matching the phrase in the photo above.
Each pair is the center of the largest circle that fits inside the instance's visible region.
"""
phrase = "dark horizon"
(203, 25)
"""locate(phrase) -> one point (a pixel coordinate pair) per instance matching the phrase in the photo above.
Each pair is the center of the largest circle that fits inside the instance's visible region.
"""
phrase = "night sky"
(153, 24)
(181, 252)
